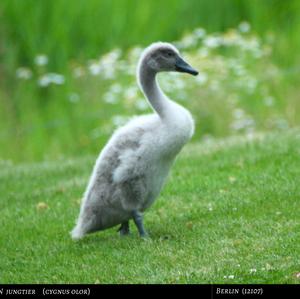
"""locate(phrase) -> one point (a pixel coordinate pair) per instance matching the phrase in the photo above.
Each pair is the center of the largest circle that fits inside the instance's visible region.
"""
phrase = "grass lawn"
(228, 214)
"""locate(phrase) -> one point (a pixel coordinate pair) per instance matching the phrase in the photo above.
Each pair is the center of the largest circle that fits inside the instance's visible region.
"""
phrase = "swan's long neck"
(178, 119)
(149, 85)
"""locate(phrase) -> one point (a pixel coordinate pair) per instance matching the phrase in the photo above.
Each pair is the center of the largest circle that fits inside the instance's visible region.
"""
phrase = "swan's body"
(131, 169)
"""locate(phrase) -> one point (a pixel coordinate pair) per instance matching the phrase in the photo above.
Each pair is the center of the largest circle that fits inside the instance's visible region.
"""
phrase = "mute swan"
(131, 169)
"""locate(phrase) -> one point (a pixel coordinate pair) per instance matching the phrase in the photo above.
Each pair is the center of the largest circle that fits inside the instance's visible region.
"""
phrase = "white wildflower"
(212, 41)
(199, 32)
(111, 56)
(130, 69)
(253, 270)
(232, 38)
(134, 54)
(188, 41)
(109, 63)
(250, 44)
(116, 88)
(57, 78)
(44, 81)
(51, 78)
(110, 98)
(41, 60)
(244, 27)
(106, 65)
(23, 73)
(141, 104)
(94, 68)
(131, 93)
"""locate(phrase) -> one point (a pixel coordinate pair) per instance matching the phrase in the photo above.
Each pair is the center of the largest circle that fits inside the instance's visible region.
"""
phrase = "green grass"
(230, 205)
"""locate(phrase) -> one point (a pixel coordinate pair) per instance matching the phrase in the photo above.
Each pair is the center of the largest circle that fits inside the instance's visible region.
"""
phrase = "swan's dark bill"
(183, 67)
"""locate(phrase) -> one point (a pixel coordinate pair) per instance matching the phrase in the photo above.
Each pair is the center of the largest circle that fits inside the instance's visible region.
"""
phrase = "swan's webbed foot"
(138, 220)
(124, 229)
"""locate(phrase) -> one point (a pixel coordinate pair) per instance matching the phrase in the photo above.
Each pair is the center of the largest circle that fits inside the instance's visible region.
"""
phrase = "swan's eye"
(167, 53)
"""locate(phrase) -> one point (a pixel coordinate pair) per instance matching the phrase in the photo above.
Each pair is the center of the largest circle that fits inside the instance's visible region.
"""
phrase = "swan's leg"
(124, 229)
(138, 220)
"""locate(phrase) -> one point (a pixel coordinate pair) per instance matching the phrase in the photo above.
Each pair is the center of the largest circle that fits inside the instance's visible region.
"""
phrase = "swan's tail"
(83, 227)
(85, 223)
(77, 233)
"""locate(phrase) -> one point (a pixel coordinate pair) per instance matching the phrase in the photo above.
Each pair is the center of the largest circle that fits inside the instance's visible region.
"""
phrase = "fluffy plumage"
(131, 169)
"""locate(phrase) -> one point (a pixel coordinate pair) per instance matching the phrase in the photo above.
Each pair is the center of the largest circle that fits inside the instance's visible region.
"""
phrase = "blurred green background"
(67, 69)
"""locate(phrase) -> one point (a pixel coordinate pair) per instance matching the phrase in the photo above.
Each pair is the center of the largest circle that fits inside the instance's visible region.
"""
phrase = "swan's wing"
(131, 144)
(130, 162)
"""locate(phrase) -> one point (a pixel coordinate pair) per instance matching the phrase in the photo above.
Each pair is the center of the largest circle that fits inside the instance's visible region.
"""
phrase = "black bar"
(197, 291)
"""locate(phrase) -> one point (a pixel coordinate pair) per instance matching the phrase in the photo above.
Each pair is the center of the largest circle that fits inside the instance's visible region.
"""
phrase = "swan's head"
(164, 57)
